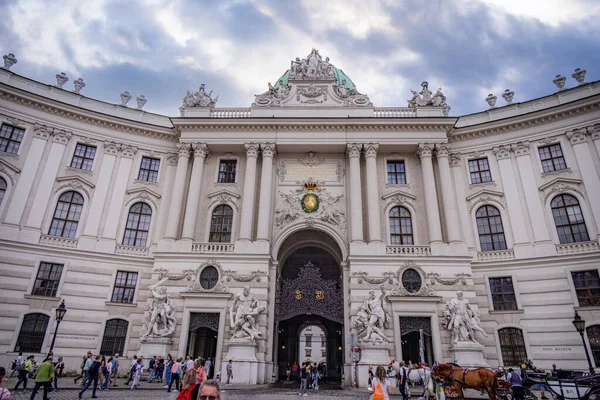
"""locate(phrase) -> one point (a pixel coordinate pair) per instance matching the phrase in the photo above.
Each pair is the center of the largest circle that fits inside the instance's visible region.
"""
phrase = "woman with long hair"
(201, 371)
(188, 385)
(381, 385)
(168, 366)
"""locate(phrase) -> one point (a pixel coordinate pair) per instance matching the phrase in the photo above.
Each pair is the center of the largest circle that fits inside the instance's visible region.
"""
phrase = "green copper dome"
(339, 76)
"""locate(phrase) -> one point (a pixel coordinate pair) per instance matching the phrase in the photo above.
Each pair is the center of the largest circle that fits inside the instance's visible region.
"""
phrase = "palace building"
(228, 232)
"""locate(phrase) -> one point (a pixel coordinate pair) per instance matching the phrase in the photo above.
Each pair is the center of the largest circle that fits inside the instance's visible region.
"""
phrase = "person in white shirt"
(189, 364)
(380, 384)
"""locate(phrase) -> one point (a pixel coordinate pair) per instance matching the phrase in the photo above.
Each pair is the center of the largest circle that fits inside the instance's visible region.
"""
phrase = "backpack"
(378, 393)
(13, 366)
(94, 368)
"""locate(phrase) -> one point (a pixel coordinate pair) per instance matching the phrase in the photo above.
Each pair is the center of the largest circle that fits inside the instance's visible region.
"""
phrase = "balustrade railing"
(230, 113)
(580, 247)
(394, 112)
(58, 241)
(213, 247)
(423, 251)
(132, 250)
(495, 255)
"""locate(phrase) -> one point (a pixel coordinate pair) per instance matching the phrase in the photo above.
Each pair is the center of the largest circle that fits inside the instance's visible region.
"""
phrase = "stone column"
(178, 187)
(532, 197)
(371, 150)
(118, 195)
(101, 192)
(44, 190)
(448, 195)
(266, 185)
(460, 185)
(23, 187)
(595, 132)
(249, 188)
(193, 199)
(591, 181)
(353, 151)
(511, 192)
(433, 213)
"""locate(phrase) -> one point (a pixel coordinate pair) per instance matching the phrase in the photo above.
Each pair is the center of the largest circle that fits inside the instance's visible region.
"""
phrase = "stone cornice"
(535, 118)
(86, 116)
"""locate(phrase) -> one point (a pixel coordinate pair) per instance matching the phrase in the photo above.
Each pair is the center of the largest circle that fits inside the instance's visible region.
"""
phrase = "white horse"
(417, 376)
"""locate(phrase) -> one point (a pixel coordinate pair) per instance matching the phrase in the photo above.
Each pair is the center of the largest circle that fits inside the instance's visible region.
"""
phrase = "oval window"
(209, 277)
(411, 280)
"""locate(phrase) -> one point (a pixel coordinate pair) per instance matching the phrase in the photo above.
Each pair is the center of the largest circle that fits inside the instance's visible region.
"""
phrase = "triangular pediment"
(485, 192)
(9, 166)
(75, 178)
(223, 192)
(138, 191)
(566, 181)
(399, 193)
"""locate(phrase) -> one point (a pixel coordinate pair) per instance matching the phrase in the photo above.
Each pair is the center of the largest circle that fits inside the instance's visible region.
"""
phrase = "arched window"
(512, 346)
(489, 226)
(138, 225)
(401, 232)
(33, 330)
(593, 334)
(220, 224)
(66, 215)
(115, 335)
(568, 219)
(3, 187)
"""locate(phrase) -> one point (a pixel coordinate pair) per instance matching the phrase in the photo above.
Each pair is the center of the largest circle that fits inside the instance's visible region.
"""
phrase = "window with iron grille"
(400, 227)
(66, 215)
(138, 225)
(10, 138)
(83, 158)
(512, 346)
(593, 333)
(396, 172)
(209, 277)
(587, 287)
(220, 224)
(3, 187)
(480, 170)
(568, 219)
(552, 158)
(149, 169)
(227, 169)
(489, 226)
(115, 335)
(503, 293)
(124, 288)
(47, 280)
(31, 336)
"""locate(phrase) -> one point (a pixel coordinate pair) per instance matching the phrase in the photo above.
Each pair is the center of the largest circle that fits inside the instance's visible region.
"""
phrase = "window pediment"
(223, 196)
(561, 185)
(486, 196)
(144, 193)
(9, 170)
(75, 182)
(399, 197)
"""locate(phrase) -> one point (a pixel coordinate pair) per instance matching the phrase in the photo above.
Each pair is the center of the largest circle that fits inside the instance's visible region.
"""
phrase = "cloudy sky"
(161, 48)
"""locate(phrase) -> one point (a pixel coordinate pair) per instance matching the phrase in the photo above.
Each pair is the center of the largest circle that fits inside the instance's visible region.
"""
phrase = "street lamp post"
(60, 314)
(579, 324)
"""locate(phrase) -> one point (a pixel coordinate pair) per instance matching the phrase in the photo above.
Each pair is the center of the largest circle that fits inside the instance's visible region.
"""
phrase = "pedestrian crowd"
(309, 374)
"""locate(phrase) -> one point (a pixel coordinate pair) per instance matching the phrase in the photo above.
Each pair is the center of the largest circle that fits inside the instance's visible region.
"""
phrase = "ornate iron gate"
(309, 294)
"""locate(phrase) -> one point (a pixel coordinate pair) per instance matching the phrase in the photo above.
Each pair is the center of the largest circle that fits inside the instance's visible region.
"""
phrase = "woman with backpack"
(93, 375)
(58, 369)
(136, 371)
(381, 385)
(189, 386)
(106, 371)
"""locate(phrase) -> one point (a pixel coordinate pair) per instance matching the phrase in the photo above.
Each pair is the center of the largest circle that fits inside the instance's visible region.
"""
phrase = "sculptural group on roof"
(426, 98)
(311, 67)
(199, 98)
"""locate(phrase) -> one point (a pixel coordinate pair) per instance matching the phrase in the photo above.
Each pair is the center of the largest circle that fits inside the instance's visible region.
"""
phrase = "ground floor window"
(33, 331)
(593, 333)
(115, 335)
(512, 346)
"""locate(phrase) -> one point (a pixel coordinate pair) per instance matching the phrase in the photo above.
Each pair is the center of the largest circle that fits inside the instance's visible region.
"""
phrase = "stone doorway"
(203, 337)
(410, 336)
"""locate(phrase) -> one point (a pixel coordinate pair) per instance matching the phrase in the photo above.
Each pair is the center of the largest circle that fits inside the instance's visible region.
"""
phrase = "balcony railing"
(230, 113)
(58, 241)
(213, 247)
(423, 251)
(132, 250)
(580, 247)
(394, 112)
(495, 255)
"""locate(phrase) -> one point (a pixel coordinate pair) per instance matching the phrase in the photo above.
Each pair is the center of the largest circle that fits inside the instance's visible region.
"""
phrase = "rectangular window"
(124, 287)
(308, 339)
(503, 293)
(587, 287)
(227, 170)
(323, 341)
(47, 280)
(396, 172)
(308, 353)
(149, 169)
(480, 170)
(10, 138)
(552, 158)
(83, 157)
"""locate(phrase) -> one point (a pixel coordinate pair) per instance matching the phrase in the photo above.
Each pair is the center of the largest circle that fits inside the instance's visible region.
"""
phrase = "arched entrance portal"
(309, 308)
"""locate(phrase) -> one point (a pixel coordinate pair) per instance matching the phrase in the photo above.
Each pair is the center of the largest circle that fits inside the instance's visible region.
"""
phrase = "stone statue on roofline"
(312, 67)
(425, 98)
(199, 99)
(274, 95)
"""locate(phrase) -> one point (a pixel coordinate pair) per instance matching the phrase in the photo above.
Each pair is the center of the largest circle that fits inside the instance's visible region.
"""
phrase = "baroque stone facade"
(155, 230)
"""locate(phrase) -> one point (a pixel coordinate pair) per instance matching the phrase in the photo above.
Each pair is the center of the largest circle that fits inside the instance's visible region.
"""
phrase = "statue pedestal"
(468, 354)
(245, 363)
(155, 347)
(371, 354)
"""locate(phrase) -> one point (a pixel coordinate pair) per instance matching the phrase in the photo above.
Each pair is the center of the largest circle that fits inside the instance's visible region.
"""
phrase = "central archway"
(310, 294)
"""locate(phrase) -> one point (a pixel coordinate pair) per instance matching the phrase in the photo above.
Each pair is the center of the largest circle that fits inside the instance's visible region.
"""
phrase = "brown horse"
(477, 378)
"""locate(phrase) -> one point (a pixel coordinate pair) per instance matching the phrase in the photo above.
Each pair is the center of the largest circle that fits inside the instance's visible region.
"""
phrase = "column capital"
(61, 136)
(425, 150)
(521, 148)
(42, 131)
(442, 150)
(577, 136)
(200, 149)
(183, 150)
(502, 152)
(353, 150)
(371, 149)
(455, 159)
(252, 149)
(111, 147)
(128, 151)
(594, 131)
(268, 150)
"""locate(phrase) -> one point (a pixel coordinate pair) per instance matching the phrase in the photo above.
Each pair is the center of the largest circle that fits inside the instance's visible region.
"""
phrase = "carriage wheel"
(504, 394)
(594, 395)
(528, 394)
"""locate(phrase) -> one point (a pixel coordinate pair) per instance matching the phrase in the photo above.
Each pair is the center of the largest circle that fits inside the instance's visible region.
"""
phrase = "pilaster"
(193, 200)
(448, 196)
(178, 187)
(353, 151)
(425, 153)
(266, 184)
(247, 217)
(371, 150)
